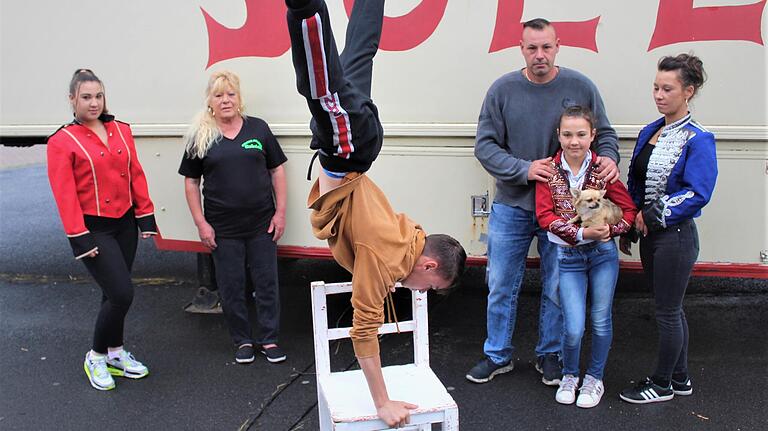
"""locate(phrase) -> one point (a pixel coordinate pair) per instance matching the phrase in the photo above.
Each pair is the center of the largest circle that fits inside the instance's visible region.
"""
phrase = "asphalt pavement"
(48, 306)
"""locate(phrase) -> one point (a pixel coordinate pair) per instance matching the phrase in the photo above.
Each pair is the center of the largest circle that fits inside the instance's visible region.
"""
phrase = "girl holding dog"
(671, 177)
(587, 257)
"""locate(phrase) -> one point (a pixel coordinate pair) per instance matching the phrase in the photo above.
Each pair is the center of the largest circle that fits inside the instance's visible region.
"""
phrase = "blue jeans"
(587, 269)
(510, 232)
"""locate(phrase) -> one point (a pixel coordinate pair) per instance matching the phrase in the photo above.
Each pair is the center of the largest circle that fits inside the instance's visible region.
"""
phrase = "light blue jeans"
(510, 232)
(590, 269)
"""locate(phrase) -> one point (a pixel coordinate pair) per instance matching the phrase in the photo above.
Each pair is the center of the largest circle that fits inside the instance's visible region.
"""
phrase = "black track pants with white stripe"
(345, 125)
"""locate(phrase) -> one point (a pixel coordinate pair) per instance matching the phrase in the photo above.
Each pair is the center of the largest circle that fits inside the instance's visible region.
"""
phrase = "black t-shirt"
(237, 186)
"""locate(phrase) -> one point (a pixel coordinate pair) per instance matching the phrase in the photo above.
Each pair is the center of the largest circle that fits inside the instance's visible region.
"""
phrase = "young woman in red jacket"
(587, 258)
(101, 192)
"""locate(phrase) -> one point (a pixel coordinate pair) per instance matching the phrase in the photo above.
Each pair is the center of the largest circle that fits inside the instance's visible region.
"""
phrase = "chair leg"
(451, 422)
(326, 423)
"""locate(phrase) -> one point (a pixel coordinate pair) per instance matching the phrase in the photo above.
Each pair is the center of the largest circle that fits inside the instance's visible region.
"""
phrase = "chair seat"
(350, 401)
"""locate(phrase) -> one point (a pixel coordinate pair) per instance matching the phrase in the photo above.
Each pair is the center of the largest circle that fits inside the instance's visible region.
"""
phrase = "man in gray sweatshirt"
(516, 137)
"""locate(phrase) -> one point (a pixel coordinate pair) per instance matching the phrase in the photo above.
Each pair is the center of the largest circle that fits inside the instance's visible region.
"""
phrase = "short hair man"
(378, 246)
(515, 141)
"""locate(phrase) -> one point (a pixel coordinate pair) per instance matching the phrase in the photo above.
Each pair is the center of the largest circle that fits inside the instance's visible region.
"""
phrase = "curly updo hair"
(690, 69)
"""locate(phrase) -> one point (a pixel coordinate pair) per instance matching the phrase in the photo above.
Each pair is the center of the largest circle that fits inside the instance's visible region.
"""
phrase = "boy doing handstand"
(378, 246)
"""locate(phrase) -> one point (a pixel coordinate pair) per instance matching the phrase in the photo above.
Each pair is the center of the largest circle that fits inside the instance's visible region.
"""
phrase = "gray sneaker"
(126, 366)
(486, 370)
(96, 370)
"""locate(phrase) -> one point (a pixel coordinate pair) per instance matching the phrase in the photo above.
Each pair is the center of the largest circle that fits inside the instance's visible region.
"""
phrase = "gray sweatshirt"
(518, 123)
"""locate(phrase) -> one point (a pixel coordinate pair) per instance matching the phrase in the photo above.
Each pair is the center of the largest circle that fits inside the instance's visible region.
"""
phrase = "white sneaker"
(566, 393)
(126, 366)
(96, 370)
(590, 393)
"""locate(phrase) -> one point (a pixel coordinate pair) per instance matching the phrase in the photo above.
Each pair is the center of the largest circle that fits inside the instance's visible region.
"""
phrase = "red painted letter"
(678, 21)
(508, 29)
(410, 30)
(264, 33)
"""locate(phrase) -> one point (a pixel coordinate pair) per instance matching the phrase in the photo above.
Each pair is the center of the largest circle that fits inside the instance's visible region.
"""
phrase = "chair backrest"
(323, 335)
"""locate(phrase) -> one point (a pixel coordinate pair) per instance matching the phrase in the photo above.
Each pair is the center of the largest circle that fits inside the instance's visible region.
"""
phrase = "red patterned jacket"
(90, 178)
(554, 206)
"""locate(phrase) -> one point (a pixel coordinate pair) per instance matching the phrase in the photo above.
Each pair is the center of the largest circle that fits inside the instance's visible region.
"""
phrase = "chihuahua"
(593, 209)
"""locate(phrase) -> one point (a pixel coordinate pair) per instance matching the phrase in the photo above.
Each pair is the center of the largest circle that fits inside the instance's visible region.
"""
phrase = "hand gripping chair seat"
(343, 399)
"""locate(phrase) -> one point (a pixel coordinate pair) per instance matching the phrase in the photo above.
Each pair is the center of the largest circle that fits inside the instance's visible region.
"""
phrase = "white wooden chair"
(343, 399)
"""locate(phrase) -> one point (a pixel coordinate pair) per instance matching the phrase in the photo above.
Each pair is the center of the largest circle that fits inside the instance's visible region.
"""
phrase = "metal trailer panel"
(433, 186)
(154, 59)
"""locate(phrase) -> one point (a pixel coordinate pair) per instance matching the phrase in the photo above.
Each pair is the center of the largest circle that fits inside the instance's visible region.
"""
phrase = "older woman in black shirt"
(245, 197)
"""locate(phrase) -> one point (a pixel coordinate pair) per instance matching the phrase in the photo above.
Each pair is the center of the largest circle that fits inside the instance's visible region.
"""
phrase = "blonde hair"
(203, 132)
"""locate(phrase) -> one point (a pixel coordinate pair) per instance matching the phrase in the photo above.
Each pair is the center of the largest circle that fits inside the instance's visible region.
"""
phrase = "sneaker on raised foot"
(647, 391)
(273, 353)
(551, 369)
(566, 393)
(486, 370)
(125, 365)
(96, 369)
(590, 393)
(682, 388)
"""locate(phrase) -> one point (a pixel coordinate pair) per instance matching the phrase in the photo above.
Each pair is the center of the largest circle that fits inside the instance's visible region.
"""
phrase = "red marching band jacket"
(554, 206)
(90, 178)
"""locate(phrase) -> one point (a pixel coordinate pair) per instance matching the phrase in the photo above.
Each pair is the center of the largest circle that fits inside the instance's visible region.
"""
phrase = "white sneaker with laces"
(566, 393)
(96, 370)
(590, 393)
(126, 366)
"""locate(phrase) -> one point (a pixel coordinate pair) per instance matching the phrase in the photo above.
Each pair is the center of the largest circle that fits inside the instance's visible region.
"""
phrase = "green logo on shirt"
(252, 143)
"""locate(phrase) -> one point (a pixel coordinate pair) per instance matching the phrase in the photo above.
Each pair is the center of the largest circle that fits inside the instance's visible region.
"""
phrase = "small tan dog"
(593, 209)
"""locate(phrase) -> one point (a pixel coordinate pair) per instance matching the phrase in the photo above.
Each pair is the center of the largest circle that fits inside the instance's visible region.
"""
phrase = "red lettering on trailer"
(410, 30)
(679, 21)
(508, 29)
(264, 33)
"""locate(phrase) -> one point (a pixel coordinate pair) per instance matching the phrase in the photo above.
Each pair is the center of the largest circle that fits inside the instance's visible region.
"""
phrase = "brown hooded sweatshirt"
(367, 238)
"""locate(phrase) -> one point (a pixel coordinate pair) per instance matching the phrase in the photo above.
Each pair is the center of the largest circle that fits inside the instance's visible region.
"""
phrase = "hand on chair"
(396, 413)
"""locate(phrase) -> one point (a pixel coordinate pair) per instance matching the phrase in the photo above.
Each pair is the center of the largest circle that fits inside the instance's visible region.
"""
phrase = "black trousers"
(346, 130)
(111, 268)
(258, 255)
(668, 257)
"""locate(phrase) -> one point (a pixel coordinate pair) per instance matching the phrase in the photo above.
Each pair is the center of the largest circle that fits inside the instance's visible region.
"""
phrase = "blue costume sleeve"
(694, 189)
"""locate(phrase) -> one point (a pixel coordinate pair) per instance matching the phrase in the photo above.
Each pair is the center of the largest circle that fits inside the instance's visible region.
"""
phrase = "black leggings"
(668, 257)
(111, 268)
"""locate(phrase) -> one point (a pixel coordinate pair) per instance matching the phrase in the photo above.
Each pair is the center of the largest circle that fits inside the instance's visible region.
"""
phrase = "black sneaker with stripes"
(683, 387)
(647, 391)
